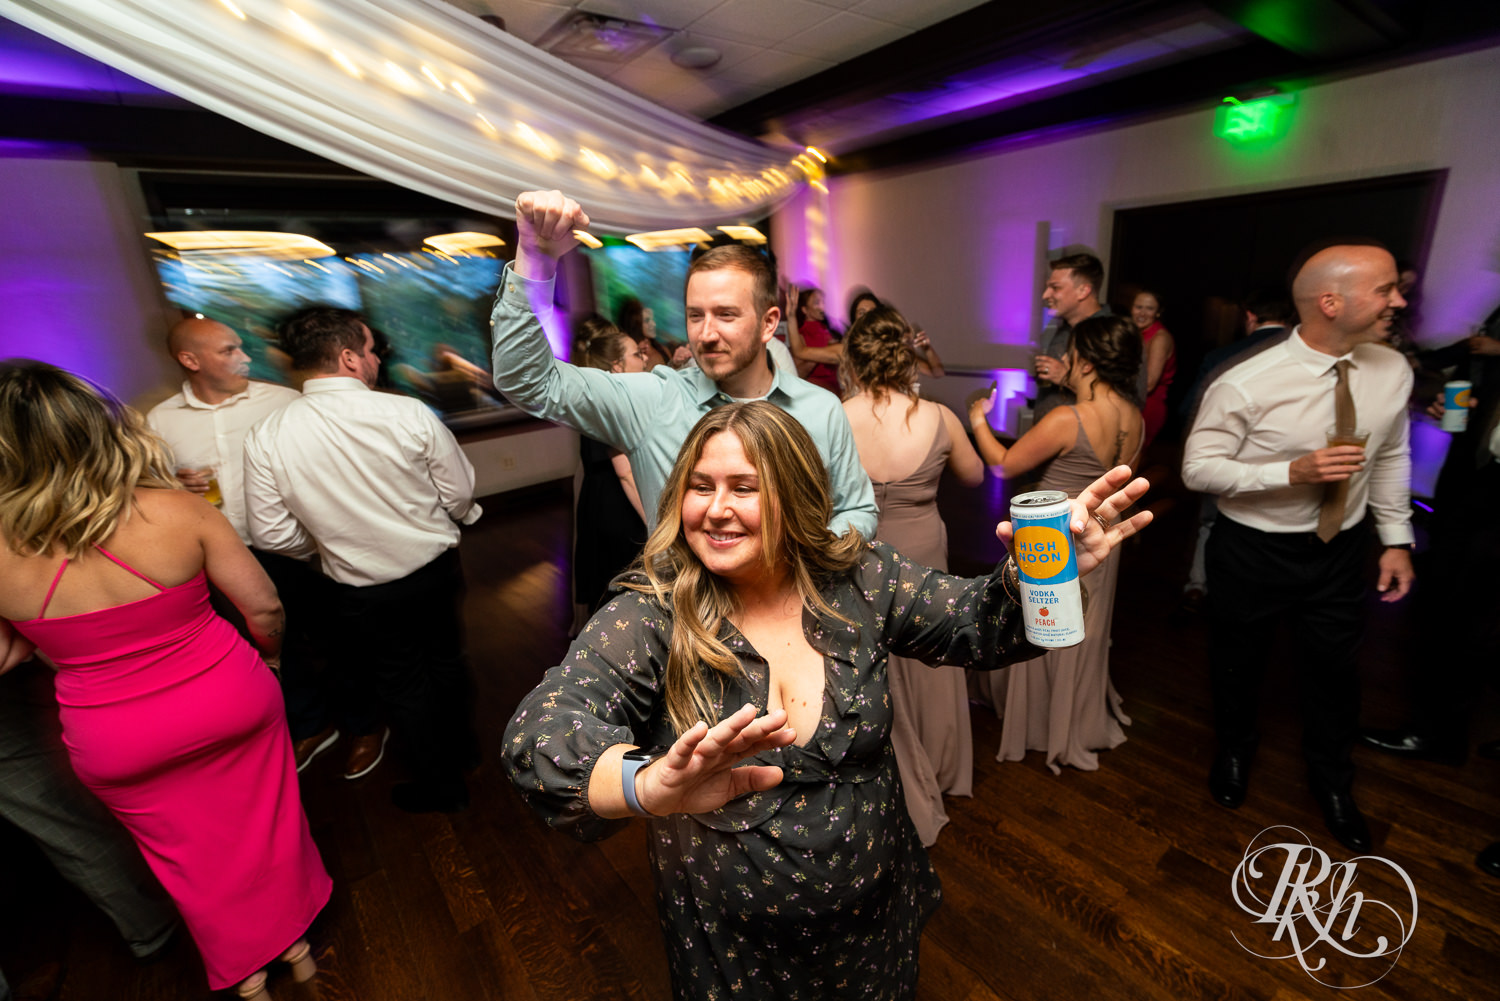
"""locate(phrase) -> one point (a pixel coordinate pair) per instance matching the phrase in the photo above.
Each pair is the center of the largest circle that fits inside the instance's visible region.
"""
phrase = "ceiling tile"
(913, 13)
(762, 22)
(842, 36)
(679, 90)
(775, 68)
(527, 20)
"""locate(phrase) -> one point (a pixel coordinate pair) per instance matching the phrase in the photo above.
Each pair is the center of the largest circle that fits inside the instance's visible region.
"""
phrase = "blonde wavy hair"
(795, 507)
(71, 457)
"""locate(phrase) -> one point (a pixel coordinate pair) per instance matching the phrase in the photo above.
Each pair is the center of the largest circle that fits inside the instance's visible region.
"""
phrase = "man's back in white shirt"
(374, 481)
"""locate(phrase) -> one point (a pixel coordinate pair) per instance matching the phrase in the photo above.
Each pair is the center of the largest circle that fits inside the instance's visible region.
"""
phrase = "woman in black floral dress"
(754, 637)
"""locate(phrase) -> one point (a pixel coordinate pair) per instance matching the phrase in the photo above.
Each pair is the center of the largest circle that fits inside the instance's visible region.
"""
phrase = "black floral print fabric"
(819, 888)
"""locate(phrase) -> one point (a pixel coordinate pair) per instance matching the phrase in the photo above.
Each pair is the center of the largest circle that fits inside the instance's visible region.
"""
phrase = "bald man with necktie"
(1293, 535)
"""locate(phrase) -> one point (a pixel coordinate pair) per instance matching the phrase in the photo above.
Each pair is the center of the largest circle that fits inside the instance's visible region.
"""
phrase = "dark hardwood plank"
(1112, 884)
(467, 902)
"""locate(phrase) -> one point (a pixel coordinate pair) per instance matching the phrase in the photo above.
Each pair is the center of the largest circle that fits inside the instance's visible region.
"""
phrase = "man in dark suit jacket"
(1268, 315)
(1463, 555)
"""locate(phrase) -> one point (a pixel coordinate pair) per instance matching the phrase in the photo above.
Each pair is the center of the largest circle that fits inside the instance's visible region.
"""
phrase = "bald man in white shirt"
(1291, 540)
(205, 422)
(377, 486)
(204, 425)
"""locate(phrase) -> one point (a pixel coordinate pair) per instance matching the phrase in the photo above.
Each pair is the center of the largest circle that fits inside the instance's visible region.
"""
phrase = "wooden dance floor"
(1112, 884)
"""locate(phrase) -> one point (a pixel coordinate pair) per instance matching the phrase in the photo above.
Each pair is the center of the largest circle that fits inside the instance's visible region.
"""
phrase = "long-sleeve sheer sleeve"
(608, 691)
(938, 618)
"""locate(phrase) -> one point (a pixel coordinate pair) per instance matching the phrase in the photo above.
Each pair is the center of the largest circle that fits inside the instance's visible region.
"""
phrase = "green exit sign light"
(1252, 121)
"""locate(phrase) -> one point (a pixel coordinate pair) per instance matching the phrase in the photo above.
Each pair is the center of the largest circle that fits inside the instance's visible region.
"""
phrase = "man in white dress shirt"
(1291, 542)
(377, 486)
(204, 426)
(205, 423)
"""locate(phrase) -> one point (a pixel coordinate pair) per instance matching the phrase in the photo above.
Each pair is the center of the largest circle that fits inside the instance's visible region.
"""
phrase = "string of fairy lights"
(404, 70)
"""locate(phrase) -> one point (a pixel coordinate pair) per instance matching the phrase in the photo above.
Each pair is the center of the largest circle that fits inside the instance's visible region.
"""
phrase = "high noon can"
(1048, 569)
(1457, 399)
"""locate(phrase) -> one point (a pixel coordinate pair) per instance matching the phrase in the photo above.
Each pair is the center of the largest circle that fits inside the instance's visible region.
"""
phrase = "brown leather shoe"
(365, 754)
(308, 748)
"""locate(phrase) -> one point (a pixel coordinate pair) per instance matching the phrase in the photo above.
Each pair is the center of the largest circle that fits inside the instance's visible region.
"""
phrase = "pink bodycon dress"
(176, 724)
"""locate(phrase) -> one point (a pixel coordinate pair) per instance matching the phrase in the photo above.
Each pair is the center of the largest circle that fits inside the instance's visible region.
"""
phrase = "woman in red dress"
(812, 324)
(1158, 364)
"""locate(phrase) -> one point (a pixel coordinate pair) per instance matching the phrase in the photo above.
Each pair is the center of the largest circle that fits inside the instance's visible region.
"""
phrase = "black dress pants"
(1258, 580)
(320, 687)
(407, 637)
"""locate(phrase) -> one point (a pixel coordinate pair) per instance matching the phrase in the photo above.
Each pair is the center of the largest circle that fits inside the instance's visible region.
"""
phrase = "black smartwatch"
(633, 762)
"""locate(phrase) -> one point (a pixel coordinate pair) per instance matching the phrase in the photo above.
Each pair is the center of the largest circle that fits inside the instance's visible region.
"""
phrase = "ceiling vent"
(582, 35)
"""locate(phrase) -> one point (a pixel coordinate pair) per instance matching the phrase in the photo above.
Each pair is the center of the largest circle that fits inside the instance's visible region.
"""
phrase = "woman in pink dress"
(1159, 362)
(171, 718)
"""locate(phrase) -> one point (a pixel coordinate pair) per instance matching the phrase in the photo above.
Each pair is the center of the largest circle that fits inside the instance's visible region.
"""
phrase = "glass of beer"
(207, 472)
(1347, 436)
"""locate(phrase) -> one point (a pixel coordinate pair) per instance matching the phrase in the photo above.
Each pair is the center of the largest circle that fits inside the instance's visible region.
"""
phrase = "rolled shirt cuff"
(1396, 535)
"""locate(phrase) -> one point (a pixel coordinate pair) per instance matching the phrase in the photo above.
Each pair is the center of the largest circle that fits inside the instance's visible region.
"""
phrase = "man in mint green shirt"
(731, 316)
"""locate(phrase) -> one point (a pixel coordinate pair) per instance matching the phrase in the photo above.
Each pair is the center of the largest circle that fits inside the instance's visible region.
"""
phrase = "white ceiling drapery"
(424, 95)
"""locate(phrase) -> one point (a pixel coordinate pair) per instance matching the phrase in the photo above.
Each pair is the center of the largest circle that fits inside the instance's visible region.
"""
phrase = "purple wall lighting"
(53, 319)
(15, 149)
(792, 236)
(77, 291)
(34, 64)
(1429, 447)
(1013, 387)
(1011, 289)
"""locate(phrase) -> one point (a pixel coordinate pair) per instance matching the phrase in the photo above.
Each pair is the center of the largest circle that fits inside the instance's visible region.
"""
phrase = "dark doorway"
(1202, 258)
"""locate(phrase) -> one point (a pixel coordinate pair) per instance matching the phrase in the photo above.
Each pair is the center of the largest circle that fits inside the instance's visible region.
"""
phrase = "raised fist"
(545, 221)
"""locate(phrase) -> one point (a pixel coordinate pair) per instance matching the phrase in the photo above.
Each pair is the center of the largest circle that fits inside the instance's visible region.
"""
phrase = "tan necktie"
(1336, 495)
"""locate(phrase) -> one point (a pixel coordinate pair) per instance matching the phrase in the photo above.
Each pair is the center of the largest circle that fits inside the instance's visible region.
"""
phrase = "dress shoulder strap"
(51, 590)
(127, 567)
(1081, 439)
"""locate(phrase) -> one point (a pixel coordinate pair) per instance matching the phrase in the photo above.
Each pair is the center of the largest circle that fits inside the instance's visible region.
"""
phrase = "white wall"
(508, 462)
(954, 244)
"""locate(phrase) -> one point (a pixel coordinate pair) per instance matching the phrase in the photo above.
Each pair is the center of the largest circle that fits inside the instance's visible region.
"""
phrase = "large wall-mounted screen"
(422, 272)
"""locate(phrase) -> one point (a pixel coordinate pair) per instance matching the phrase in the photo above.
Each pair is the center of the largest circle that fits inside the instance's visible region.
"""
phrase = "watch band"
(633, 762)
